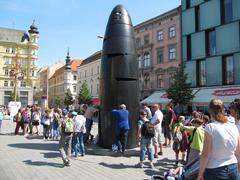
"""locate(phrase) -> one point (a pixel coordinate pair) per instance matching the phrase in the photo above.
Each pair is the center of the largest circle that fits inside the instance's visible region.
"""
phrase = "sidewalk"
(31, 158)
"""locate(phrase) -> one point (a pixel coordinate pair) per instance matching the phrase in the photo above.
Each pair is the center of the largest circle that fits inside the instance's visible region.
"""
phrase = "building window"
(23, 84)
(74, 77)
(138, 43)
(5, 83)
(197, 18)
(172, 54)
(24, 51)
(74, 88)
(159, 81)
(160, 56)
(189, 47)
(226, 11)
(171, 79)
(146, 59)
(7, 50)
(7, 61)
(172, 32)
(211, 42)
(146, 39)
(201, 76)
(139, 61)
(6, 72)
(33, 73)
(188, 4)
(160, 35)
(24, 62)
(34, 52)
(11, 83)
(228, 70)
(146, 81)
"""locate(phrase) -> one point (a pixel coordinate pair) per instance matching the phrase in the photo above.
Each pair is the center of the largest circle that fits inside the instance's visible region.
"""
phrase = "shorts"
(157, 139)
(35, 123)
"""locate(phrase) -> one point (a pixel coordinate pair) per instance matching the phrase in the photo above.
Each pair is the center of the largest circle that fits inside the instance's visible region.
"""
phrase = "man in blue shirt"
(122, 126)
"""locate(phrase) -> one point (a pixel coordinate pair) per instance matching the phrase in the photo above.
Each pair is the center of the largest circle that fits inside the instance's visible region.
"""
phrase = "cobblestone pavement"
(31, 158)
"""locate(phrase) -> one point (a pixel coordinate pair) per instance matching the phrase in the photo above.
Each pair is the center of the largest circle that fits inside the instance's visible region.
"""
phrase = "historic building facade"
(89, 71)
(159, 51)
(63, 79)
(18, 57)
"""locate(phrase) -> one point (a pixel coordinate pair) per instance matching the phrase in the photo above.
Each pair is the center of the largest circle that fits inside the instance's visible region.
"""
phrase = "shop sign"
(227, 92)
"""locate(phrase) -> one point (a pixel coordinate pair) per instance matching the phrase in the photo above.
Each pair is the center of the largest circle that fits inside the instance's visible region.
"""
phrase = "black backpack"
(147, 130)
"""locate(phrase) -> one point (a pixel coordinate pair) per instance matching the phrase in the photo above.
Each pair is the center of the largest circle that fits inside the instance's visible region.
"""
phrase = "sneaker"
(139, 165)
(176, 162)
(66, 162)
(160, 153)
(155, 156)
(151, 165)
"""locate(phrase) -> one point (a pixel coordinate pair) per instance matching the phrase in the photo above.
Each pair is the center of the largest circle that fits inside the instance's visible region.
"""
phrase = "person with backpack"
(145, 134)
(66, 131)
(180, 139)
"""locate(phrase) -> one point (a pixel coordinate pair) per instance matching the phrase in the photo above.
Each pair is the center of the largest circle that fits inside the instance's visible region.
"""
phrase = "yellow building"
(18, 54)
(63, 79)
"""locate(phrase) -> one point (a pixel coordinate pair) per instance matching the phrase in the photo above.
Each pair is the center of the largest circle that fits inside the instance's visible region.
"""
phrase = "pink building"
(158, 42)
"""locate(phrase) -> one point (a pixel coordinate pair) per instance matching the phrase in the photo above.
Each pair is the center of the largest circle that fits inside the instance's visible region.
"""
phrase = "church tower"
(68, 74)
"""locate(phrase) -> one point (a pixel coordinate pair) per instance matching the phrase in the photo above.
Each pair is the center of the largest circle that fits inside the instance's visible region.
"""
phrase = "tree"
(12, 96)
(180, 92)
(68, 100)
(84, 96)
(58, 101)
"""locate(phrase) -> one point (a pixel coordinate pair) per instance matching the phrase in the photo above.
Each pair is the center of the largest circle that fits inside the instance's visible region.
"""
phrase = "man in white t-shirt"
(156, 121)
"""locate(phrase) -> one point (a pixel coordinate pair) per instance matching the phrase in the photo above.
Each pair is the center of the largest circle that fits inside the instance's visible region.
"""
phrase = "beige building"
(18, 57)
(63, 78)
(159, 51)
(89, 71)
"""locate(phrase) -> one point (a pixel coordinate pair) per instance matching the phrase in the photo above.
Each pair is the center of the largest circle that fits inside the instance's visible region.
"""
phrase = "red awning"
(96, 101)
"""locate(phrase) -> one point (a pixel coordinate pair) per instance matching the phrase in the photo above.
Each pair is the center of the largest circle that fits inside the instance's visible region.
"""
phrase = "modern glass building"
(211, 45)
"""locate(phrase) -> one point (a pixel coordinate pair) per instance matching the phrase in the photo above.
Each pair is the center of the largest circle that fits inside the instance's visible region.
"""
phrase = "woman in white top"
(221, 146)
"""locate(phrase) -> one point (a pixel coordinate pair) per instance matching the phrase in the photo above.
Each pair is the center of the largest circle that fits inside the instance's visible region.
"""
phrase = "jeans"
(55, 131)
(88, 125)
(121, 139)
(146, 145)
(229, 172)
(78, 143)
(46, 131)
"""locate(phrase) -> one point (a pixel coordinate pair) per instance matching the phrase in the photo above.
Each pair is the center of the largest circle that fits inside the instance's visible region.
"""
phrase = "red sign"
(164, 96)
(227, 92)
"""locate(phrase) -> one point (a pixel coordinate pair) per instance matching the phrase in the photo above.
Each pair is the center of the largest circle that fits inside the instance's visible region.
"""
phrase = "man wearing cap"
(122, 127)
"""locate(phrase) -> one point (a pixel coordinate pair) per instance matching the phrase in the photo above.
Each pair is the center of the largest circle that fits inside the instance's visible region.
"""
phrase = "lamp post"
(17, 73)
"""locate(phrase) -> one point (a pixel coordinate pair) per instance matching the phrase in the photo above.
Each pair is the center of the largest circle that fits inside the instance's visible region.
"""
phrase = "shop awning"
(157, 97)
(160, 97)
(227, 95)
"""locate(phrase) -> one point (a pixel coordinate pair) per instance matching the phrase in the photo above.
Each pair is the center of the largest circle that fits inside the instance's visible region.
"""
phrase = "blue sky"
(73, 23)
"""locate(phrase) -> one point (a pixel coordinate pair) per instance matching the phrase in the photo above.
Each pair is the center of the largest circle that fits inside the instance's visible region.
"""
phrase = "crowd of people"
(213, 137)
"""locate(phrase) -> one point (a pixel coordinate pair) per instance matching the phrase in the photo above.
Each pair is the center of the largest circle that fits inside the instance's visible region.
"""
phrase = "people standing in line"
(89, 113)
(122, 127)
(169, 120)
(156, 121)
(79, 130)
(195, 145)
(180, 139)
(146, 144)
(147, 110)
(66, 131)
(1, 119)
(221, 147)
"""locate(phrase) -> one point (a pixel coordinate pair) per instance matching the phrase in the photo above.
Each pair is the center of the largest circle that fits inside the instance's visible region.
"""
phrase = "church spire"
(68, 61)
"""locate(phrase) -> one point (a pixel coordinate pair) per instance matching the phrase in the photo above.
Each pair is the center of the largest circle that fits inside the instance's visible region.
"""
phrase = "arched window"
(146, 81)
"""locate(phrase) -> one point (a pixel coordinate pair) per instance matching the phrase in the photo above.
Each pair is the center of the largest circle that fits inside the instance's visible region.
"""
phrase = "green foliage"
(84, 96)
(180, 92)
(68, 100)
(58, 101)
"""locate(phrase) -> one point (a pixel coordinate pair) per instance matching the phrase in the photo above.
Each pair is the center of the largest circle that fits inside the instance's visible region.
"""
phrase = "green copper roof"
(12, 35)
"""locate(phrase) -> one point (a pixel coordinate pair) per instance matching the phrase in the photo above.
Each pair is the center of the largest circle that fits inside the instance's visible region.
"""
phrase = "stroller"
(188, 172)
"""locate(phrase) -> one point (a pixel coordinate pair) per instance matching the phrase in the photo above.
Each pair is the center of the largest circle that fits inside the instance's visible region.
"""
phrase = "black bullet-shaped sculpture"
(119, 77)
